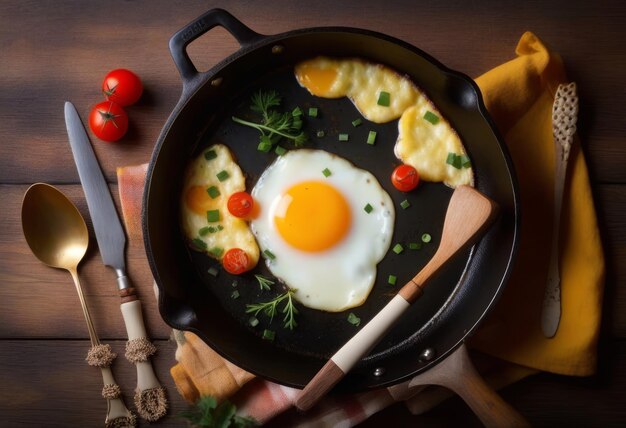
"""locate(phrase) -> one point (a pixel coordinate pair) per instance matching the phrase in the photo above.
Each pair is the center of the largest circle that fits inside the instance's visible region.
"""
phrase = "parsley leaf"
(207, 413)
(274, 125)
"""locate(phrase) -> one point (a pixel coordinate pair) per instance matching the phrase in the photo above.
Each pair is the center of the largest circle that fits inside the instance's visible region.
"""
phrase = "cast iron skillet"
(453, 304)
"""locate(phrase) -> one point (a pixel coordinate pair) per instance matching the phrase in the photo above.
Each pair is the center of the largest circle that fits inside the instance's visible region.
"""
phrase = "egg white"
(235, 232)
(340, 277)
(421, 144)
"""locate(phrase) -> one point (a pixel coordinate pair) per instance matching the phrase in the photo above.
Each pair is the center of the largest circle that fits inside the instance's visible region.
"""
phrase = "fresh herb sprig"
(271, 308)
(206, 413)
(264, 283)
(274, 125)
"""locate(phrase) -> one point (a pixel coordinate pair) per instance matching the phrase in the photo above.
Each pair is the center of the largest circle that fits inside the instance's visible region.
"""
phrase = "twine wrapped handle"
(101, 356)
(150, 397)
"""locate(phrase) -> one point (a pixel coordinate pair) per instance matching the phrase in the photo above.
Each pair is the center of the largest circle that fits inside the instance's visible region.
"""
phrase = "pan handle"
(211, 19)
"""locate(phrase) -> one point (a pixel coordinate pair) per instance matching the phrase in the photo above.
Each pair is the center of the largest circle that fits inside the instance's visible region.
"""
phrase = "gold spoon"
(57, 235)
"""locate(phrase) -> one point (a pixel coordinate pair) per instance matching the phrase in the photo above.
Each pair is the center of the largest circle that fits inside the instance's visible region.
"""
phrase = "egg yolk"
(198, 200)
(317, 80)
(312, 216)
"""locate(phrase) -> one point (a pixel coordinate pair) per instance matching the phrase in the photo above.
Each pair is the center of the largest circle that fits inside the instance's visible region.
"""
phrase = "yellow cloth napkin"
(519, 94)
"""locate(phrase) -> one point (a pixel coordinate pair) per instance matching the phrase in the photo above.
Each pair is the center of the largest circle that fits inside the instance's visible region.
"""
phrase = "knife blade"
(150, 397)
(106, 222)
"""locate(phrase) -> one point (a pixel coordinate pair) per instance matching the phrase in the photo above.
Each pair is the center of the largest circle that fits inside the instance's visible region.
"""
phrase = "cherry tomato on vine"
(235, 261)
(108, 121)
(405, 178)
(240, 204)
(122, 87)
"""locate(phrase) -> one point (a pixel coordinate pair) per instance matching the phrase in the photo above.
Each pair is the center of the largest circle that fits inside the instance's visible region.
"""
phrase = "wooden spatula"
(469, 213)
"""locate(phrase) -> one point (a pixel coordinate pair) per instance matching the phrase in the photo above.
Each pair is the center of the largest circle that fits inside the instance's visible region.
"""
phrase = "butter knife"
(564, 117)
(150, 396)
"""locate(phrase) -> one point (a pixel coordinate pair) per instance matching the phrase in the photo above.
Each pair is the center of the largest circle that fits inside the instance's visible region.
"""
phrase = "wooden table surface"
(52, 51)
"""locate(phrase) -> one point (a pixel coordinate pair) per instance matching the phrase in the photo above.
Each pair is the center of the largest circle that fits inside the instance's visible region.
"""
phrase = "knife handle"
(133, 318)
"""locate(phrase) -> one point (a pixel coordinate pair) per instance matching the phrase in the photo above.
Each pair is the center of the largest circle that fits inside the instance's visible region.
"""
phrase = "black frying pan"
(453, 304)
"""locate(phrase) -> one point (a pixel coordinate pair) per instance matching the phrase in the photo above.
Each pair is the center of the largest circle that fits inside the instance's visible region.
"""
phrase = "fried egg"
(421, 143)
(209, 180)
(316, 233)
(426, 146)
(360, 81)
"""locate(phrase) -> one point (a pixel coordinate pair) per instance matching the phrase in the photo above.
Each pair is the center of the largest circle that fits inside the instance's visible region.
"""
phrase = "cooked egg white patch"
(421, 143)
(360, 81)
(210, 179)
(313, 223)
(426, 146)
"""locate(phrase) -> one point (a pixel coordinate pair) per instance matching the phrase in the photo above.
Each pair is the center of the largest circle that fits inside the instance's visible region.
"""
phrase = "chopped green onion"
(296, 112)
(344, 137)
(213, 192)
(264, 146)
(213, 216)
(296, 124)
(204, 231)
(398, 248)
(268, 335)
(253, 321)
(384, 99)
(353, 319)
(280, 150)
(216, 252)
(357, 122)
(320, 134)
(392, 279)
(465, 161)
(405, 204)
(220, 227)
(199, 243)
(326, 172)
(210, 155)
(368, 208)
(426, 238)
(431, 117)
(235, 294)
(415, 246)
(313, 111)
(222, 175)
(371, 138)
(454, 160)
(212, 271)
(269, 254)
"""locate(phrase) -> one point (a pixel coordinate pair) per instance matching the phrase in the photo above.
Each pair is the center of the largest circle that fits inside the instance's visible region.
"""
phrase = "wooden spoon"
(468, 214)
(57, 235)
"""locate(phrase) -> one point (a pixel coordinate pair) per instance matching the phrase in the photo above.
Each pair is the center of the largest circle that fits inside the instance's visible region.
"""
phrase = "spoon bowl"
(54, 228)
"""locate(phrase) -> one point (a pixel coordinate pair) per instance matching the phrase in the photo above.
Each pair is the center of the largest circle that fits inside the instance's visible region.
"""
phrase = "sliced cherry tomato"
(235, 261)
(405, 178)
(240, 204)
(122, 87)
(108, 121)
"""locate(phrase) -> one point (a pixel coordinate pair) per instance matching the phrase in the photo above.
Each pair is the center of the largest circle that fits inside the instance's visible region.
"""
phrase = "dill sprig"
(264, 283)
(271, 308)
(274, 125)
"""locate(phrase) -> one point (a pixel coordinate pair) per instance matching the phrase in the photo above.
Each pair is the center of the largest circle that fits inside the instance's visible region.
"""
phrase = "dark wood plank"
(42, 66)
(47, 383)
